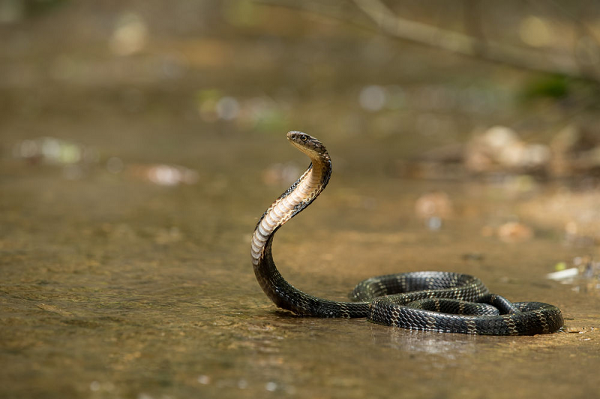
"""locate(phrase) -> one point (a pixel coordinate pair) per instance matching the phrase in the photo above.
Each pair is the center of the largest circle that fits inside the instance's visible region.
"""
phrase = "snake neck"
(301, 194)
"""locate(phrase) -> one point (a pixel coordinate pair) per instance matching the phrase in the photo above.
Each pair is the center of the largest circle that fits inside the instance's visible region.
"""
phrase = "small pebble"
(563, 274)
(514, 232)
(204, 379)
(473, 256)
(271, 386)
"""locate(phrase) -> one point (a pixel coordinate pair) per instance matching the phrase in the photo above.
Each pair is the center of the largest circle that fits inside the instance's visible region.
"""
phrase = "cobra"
(431, 300)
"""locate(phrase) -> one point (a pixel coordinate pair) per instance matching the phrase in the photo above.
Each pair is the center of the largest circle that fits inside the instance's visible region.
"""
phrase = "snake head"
(308, 145)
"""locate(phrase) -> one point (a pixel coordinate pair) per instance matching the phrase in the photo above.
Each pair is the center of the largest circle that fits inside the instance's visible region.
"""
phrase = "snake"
(423, 300)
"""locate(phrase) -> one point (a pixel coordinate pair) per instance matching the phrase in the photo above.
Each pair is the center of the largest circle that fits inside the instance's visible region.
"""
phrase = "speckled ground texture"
(114, 286)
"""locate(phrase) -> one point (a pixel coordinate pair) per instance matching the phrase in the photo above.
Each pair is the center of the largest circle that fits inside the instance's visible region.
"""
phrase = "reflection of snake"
(434, 301)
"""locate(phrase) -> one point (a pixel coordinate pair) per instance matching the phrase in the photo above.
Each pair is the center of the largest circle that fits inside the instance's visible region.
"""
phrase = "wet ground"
(123, 276)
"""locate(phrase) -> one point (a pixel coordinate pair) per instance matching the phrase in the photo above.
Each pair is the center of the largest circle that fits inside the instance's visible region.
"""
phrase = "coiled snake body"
(433, 301)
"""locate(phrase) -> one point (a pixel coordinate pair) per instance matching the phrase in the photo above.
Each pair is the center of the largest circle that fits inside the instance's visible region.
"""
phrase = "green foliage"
(555, 86)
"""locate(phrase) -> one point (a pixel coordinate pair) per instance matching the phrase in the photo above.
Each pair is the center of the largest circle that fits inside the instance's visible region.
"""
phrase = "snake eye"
(304, 138)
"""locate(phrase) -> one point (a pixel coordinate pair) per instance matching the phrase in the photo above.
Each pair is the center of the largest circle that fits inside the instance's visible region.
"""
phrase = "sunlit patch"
(96, 386)
(204, 379)
(271, 386)
(536, 31)
(372, 98)
(130, 35)
(164, 175)
(227, 108)
(566, 275)
(50, 150)
(77, 160)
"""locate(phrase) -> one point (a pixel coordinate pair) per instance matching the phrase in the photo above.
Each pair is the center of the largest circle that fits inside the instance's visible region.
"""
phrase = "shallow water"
(129, 195)
(114, 287)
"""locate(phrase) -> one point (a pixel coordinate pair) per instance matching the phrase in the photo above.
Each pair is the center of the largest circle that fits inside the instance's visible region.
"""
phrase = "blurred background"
(202, 93)
(116, 77)
(141, 140)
